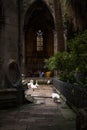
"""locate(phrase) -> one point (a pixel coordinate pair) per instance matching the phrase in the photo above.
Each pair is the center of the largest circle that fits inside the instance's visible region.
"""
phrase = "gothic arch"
(38, 8)
(38, 17)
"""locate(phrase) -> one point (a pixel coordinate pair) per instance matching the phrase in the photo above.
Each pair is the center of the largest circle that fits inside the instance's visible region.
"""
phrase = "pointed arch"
(38, 17)
(38, 9)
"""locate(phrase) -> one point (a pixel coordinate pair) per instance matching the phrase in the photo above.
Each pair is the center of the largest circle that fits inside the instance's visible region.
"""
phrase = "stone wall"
(8, 34)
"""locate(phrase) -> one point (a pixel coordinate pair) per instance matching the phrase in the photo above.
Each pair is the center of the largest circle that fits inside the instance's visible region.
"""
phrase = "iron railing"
(74, 94)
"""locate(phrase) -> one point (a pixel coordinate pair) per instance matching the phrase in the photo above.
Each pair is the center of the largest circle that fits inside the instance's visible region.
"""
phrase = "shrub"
(73, 62)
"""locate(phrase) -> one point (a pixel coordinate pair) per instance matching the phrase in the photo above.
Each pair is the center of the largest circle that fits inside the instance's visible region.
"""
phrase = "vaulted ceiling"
(38, 16)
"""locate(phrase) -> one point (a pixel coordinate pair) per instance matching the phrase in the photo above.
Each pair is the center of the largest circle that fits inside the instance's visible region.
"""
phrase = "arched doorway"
(39, 38)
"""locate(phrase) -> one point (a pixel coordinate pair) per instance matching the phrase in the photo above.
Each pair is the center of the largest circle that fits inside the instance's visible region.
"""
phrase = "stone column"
(21, 44)
(55, 42)
(23, 66)
(59, 25)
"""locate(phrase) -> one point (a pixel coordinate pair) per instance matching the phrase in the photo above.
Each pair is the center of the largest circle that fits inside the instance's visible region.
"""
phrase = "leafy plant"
(78, 47)
(50, 63)
(71, 63)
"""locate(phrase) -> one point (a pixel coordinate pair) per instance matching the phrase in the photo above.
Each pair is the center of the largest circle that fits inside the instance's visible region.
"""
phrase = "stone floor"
(42, 114)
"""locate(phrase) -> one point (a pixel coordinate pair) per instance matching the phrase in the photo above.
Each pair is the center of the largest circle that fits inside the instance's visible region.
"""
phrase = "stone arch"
(32, 7)
(38, 16)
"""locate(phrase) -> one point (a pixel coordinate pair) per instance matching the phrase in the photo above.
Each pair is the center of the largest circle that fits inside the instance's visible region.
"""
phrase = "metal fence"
(74, 94)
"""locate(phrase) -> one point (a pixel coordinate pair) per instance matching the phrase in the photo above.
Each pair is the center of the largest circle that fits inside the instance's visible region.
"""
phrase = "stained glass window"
(39, 40)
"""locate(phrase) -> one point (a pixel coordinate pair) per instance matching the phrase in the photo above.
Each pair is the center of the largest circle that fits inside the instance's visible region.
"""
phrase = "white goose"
(56, 97)
(29, 83)
(33, 86)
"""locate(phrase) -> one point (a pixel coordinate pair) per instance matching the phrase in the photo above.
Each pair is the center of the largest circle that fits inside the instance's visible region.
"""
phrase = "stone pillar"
(23, 65)
(59, 25)
(21, 44)
(55, 41)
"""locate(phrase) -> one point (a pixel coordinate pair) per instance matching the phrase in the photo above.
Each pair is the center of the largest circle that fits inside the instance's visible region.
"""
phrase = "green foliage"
(79, 43)
(72, 62)
(50, 63)
(78, 47)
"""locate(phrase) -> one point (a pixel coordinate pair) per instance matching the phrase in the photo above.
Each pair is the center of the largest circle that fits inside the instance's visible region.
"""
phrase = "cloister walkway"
(42, 114)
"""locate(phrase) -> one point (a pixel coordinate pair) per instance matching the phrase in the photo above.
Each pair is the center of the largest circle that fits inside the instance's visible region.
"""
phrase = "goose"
(33, 86)
(56, 97)
(29, 83)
